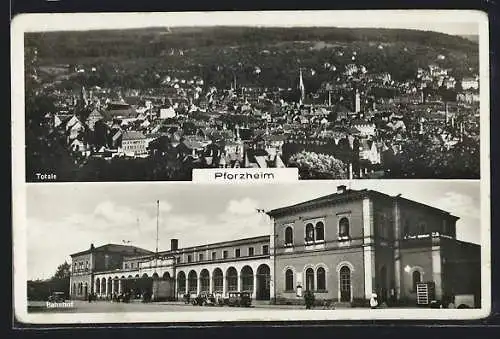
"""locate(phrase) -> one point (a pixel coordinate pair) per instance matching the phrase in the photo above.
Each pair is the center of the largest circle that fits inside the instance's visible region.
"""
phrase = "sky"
(65, 218)
(455, 22)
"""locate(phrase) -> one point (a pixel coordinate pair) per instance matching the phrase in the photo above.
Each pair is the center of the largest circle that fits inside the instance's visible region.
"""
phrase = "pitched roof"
(116, 248)
(132, 135)
(348, 195)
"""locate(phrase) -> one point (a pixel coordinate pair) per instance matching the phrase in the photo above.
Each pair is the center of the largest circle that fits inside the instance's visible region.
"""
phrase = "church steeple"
(301, 87)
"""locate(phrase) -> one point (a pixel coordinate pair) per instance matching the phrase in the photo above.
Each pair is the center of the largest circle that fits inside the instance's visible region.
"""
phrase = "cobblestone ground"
(106, 306)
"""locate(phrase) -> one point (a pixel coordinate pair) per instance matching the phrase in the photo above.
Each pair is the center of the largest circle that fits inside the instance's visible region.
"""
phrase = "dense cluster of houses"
(254, 127)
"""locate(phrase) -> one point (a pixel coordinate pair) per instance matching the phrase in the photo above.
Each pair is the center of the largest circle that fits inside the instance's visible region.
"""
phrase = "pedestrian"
(373, 301)
(309, 299)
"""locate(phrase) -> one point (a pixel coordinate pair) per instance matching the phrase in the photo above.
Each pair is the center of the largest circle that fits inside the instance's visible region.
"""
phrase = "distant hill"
(219, 53)
(471, 37)
(187, 37)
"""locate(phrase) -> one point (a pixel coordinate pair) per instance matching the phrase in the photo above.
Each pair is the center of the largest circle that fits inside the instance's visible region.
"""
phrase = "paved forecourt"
(106, 306)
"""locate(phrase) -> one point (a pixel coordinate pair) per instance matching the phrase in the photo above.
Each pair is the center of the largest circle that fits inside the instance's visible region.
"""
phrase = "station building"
(343, 247)
(239, 265)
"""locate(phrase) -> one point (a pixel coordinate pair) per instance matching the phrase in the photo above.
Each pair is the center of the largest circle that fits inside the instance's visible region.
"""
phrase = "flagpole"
(157, 225)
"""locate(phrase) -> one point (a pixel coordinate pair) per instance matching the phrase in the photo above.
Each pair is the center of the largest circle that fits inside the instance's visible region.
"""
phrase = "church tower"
(301, 87)
(357, 102)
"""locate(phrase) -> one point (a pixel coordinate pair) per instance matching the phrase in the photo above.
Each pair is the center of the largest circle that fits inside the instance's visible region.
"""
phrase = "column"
(272, 259)
(186, 286)
(254, 295)
(224, 284)
(397, 253)
(198, 285)
(112, 286)
(238, 274)
(211, 279)
(436, 271)
(368, 250)
(107, 286)
(119, 286)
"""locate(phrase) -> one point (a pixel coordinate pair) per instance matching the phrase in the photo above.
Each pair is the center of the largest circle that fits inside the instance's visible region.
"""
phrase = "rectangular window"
(200, 256)
(214, 255)
(225, 254)
(250, 251)
(237, 253)
(126, 265)
(190, 258)
(265, 249)
(178, 260)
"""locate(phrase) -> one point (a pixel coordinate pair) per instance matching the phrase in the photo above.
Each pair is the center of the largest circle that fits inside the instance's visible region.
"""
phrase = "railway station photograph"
(328, 245)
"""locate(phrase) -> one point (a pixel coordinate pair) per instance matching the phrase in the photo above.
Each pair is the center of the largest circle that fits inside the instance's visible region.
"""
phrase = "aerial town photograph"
(319, 245)
(152, 104)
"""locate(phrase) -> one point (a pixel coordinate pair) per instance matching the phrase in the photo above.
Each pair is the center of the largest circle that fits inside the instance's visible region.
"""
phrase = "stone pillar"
(112, 286)
(254, 294)
(211, 279)
(436, 271)
(107, 286)
(198, 286)
(238, 274)
(368, 249)
(120, 286)
(186, 286)
(272, 257)
(224, 284)
(397, 252)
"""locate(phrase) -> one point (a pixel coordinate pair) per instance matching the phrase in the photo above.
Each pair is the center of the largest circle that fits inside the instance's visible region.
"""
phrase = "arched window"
(181, 282)
(320, 231)
(289, 280)
(192, 282)
(416, 277)
(247, 279)
(309, 232)
(218, 280)
(232, 279)
(309, 279)
(321, 279)
(289, 236)
(344, 227)
(204, 280)
(345, 283)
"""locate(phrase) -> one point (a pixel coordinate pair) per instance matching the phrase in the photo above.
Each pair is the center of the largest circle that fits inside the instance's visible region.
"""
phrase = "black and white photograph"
(272, 166)
(255, 251)
(338, 97)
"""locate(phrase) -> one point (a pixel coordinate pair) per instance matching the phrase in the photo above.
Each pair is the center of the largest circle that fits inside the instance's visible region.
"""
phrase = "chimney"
(341, 189)
(174, 244)
(92, 247)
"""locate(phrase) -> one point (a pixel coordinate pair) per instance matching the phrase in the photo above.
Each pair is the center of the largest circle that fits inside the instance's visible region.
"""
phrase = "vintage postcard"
(250, 166)
(144, 97)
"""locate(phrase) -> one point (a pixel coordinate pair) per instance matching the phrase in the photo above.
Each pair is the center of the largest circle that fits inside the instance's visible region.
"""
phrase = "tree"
(63, 271)
(318, 166)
